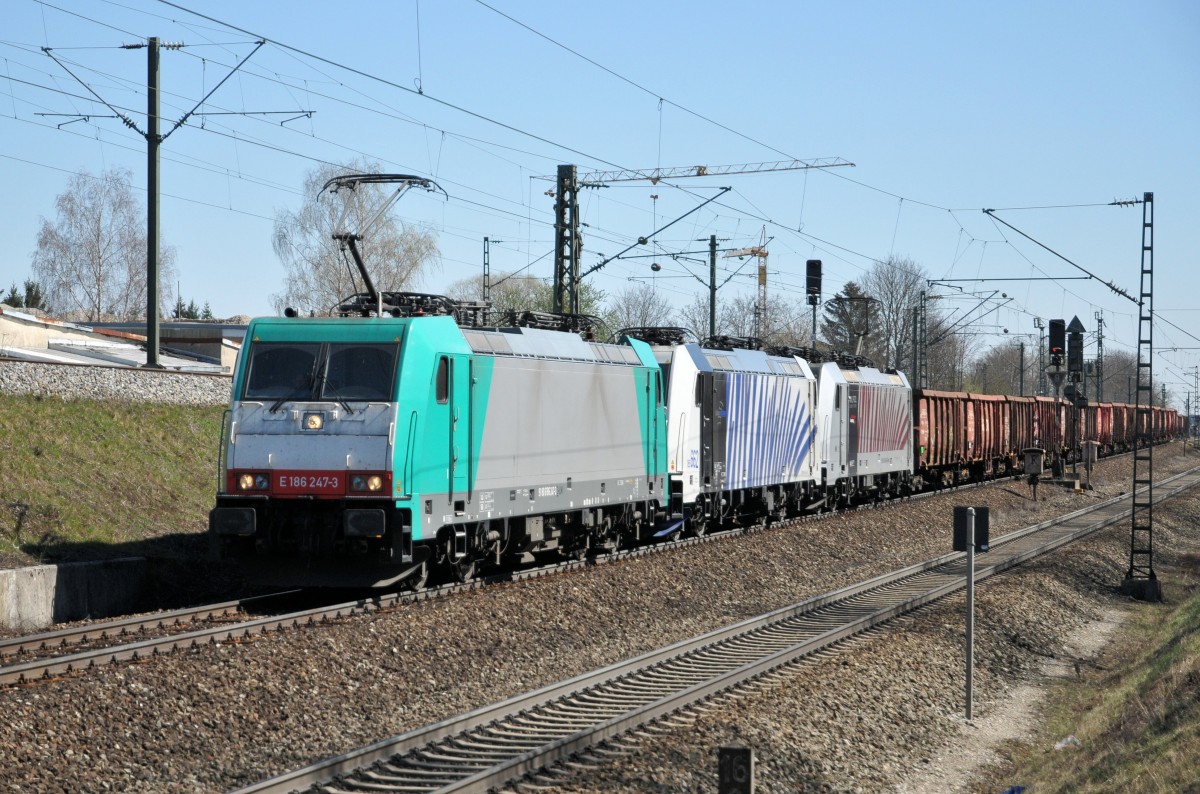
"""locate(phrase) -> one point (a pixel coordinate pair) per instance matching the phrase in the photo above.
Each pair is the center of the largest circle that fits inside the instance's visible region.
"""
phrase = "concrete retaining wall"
(39, 596)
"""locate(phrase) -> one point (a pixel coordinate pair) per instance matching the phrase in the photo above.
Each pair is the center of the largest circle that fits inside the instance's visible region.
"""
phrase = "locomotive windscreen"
(321, 371)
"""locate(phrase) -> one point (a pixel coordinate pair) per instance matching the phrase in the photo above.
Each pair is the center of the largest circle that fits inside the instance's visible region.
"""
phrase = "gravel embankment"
(80, 382)
(221, 717)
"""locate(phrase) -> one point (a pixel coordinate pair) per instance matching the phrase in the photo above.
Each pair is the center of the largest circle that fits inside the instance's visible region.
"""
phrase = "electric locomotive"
(368, 448)
(743, 429)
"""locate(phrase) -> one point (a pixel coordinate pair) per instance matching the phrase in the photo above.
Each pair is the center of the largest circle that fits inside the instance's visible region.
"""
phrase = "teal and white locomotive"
(368, 449)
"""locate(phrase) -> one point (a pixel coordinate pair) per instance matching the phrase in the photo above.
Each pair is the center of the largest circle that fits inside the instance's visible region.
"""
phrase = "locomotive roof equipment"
(347, 239)
(657, 334)
(732, 342)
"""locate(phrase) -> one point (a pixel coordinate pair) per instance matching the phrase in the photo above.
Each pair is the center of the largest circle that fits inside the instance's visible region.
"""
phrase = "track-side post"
(970, 530)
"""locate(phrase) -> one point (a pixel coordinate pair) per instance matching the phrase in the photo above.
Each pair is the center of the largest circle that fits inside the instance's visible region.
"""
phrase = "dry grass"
(87, 479)
(1136, 713)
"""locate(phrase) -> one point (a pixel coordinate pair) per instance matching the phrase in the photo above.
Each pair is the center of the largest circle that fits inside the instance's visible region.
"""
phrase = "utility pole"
(1099, 356)
(919, 377)
(1022, 368)
(153, 140)
(487, 269)
(1039, 324)
(712, 286)
(567, 244)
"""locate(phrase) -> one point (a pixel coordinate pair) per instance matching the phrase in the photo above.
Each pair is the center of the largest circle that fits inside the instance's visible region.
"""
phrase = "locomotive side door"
(654, 406)
(459, 398)
(853, 426)
(710, 387)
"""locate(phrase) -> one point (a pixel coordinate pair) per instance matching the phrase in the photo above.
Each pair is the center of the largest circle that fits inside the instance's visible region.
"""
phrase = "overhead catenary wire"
(857, 257)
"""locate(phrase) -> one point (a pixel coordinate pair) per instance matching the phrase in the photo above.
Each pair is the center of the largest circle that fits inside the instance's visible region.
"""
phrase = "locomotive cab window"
(359, 372)
(443, 380)
(281, 369)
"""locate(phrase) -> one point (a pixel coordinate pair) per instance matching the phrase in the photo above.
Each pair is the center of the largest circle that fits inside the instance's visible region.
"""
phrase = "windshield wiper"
(326, 386)
(292, 395)
(299, 391)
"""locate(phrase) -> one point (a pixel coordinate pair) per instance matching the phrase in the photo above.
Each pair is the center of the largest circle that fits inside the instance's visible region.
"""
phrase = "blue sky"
(944, 108)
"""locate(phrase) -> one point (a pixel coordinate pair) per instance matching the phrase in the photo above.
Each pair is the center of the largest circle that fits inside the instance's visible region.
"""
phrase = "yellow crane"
(760, 306)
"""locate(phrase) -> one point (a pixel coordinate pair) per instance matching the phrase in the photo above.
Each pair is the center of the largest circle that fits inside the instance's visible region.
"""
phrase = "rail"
(497, 744)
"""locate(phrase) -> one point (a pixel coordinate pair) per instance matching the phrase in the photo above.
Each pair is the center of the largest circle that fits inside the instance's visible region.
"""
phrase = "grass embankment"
(85, 479)
(1136, 713)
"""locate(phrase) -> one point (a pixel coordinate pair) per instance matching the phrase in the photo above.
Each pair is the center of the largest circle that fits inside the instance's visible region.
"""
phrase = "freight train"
(402, 436)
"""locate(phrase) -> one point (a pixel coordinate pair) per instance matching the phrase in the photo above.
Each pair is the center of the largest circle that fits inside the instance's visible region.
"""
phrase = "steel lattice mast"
(1140, 580)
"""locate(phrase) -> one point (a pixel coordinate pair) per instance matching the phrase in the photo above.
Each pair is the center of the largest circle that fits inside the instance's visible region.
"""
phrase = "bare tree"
(639, 305)
(516, 293)
(1120, 377)
(787, 322)
(92, 259)
(509, 292)
(319, 274)
(896, 285)
(695, 316)
(997, 370)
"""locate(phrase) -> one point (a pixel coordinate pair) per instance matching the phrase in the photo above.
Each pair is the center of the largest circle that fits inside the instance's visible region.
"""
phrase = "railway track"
(58, 641)
(496, 745)
(29, 658)
(51, 654)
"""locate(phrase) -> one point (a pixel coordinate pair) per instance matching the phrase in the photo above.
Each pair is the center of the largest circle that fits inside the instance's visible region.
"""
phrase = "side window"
(658, 388)
(443, 380)
(699, 389)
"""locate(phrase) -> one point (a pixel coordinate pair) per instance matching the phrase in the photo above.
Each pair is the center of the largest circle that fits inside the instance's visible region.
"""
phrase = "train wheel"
(417, 580)
(465, 569)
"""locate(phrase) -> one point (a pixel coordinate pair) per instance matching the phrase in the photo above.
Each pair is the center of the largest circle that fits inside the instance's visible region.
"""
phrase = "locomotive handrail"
(222, 451)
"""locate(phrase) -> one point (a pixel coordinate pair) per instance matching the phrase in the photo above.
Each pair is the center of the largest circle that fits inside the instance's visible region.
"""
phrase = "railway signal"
(1058, 338)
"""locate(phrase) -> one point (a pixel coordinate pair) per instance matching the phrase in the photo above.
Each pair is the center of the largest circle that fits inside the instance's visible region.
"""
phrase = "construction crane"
(760, 306)
(568, 242)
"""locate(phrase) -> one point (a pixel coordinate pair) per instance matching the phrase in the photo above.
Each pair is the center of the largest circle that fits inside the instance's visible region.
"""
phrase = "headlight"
(366, 482)
(252, 482)
(313, 421)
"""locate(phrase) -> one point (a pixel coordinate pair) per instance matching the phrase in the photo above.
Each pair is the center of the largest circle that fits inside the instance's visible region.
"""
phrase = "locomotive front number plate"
(307, 482)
